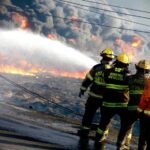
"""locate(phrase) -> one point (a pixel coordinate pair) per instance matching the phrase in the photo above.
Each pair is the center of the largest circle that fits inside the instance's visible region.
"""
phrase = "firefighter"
(116, 97)
(136, 87)
(144, 113)
(95, 81)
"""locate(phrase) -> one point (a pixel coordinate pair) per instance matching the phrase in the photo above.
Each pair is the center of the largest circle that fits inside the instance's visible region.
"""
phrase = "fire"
(136, 42)
(93, 37)
(14, 70)
(74, 19)
(23, 67)
(24, 24)
(130, 48)
(51, 36)
(78, 75)
(22, 20)
(33, 71)
(71, 40)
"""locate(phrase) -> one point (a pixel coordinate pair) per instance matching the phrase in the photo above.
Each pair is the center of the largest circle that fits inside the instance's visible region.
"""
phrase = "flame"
(51, 36)
(78, 75)
(33, 71)
(136, 41)
(71, 40)
(94, 38)
(74, 18)
(22, 20)
(14, 70)
(130, 48)
(24, 24)
(23, 67)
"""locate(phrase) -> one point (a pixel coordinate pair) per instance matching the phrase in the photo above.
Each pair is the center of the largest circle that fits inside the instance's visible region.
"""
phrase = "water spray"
(26, 49)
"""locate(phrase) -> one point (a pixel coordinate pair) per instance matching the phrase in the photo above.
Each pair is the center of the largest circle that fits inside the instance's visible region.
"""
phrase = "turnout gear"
(107, 53)
(117, 87)
(136, 88)
(144, 106)
(94, 81)
(116, 97)
(144, 110)
(81, 93)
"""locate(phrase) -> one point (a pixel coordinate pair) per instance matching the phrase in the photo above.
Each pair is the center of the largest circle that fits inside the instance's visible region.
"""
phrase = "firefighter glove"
(81, 93)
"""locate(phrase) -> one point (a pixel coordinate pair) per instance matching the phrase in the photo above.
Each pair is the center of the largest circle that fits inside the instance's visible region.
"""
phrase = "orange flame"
(130, 48)
(74, 18)
(14, 70)
(25, 69)
(78, 75)
(71, 40)
(51, 36)
(22, 20)
(24, 24)
(136, 41)
(94, 38)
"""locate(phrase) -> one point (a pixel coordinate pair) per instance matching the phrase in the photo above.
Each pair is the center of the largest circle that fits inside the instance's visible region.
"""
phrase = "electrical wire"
(40, 96)
(76, 6)
(107, 26)
(143, 11)
(106, 10)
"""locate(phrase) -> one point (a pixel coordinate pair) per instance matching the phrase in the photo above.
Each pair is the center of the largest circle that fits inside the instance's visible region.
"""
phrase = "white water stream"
(17, 46)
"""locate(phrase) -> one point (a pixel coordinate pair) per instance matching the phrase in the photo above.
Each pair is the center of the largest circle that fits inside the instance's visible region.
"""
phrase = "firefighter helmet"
(143, 64)
(107, 53)
(123, 58)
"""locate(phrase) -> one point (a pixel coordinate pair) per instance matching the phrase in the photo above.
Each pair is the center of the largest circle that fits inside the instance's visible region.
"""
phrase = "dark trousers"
(91, 107)
(144, 138)
(126, 127)
(107, 114)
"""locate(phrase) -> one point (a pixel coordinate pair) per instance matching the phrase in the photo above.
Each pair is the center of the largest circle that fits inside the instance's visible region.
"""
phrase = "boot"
(99, 145)
(127, 139)
(83, 133)
(100, 141)
(122, 146)
(83, 144)
(142, 147)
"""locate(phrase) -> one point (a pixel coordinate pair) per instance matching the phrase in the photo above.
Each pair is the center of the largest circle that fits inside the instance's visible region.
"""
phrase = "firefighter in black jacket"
(136, 87)
(116, 97)
(95, 80)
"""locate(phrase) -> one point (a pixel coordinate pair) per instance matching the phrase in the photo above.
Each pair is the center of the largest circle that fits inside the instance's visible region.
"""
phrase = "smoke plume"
(76, 25)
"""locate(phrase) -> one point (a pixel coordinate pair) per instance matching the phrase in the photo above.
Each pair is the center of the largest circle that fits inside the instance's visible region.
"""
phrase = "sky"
(135, 4)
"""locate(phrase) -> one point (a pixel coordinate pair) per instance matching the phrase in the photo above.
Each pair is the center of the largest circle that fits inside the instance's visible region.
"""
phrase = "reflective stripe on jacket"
(94, 80)
(117, 90)
(136, 88)
(106, 104)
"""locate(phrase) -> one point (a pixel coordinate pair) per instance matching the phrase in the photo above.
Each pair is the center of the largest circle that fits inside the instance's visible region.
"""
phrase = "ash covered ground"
(57, 92)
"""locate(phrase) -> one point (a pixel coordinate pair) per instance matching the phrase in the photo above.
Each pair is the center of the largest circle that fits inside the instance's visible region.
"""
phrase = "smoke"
(20, 48)
(83, 30)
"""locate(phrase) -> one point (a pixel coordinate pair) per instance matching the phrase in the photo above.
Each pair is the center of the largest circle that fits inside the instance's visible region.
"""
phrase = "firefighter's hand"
(81, 93)
(141, 114)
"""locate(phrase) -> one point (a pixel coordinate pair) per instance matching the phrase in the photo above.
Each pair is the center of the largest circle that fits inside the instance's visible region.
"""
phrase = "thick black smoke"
(49, 17)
